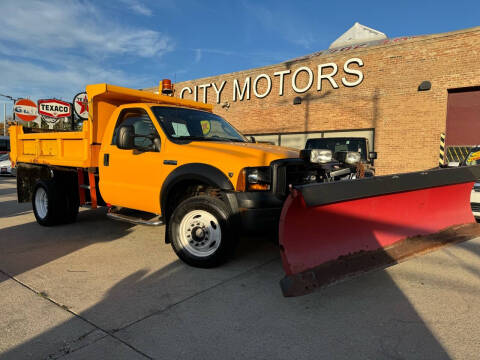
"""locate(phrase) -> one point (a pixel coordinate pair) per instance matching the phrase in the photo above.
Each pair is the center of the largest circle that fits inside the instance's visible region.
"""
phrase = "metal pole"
(13, 111)
(72, 117)
(4, 119)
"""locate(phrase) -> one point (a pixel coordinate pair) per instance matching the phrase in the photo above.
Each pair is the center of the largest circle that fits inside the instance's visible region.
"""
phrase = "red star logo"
(84, 105)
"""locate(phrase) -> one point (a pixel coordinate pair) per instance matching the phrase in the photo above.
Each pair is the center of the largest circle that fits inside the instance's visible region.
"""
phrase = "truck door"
(132, 178)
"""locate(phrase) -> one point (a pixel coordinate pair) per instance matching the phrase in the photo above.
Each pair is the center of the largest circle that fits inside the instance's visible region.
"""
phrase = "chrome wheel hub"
(200, 233)
(41, 202)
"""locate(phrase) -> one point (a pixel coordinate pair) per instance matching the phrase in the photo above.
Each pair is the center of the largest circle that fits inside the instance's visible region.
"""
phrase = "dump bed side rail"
(70, 149)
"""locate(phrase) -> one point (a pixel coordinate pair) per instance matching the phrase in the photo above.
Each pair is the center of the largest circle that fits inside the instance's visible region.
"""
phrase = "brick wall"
(407, 122)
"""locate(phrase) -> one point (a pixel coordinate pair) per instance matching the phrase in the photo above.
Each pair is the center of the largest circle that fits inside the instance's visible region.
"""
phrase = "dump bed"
(54, 148)
(81, 148)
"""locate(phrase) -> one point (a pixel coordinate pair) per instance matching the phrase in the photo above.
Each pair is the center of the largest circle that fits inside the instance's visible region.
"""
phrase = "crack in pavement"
(64, 308)
(68, 347)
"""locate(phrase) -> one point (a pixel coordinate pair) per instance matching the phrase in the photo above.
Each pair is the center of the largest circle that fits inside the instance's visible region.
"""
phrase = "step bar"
(115, 214)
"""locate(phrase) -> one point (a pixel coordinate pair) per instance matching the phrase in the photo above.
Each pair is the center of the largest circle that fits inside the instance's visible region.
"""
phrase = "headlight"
(254, 179)
(348, 157)
(352, 157)
(319, 156)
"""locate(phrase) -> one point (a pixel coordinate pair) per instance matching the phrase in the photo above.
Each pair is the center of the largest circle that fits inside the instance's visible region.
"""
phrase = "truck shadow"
(28, 245)
(220, 311)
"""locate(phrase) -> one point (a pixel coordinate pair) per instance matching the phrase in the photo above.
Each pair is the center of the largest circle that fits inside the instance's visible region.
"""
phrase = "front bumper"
(259, 211)
(256, 212)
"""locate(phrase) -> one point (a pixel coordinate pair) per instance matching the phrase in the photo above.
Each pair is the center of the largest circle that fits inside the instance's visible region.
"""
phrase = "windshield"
(473, 158)
(3, 157)
(189, 124)
(339, 144)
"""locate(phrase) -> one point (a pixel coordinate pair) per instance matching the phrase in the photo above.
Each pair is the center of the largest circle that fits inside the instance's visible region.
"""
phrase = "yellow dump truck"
(156, 159)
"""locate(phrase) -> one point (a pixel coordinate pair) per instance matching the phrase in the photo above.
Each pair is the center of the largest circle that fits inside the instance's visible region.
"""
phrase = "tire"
(201, 231)
(54, 203)
(69, 200)
(44, 202)
(71, 206)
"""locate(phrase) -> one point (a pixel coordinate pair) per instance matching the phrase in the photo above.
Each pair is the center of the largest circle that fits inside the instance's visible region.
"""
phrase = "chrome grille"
(475, 207)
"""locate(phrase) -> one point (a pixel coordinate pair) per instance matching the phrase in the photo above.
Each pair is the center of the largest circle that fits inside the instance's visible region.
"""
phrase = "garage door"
(463, 122)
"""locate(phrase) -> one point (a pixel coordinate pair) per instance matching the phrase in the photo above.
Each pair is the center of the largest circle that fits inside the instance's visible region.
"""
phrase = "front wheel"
(201, 231)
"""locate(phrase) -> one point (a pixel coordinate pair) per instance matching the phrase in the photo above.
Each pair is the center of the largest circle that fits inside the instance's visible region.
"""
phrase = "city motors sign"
(322, 73)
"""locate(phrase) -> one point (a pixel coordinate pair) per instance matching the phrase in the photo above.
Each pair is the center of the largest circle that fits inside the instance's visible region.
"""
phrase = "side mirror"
(125, 137)
(372, 155)
(453, 164)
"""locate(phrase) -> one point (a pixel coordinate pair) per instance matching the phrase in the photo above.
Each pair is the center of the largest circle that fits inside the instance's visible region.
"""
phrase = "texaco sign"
(80, 105)
(54, 108)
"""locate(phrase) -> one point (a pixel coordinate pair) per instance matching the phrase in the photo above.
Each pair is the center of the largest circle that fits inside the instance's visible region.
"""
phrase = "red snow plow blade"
(332, 231)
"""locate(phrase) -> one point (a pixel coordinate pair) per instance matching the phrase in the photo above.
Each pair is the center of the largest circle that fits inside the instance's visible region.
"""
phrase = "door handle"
(106, 159)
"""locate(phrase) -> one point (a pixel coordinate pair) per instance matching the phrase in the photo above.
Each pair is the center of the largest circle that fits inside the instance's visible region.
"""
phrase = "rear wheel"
(68, 201)
(55, 202)
(72, 203)
(43, 202)
(201, 231)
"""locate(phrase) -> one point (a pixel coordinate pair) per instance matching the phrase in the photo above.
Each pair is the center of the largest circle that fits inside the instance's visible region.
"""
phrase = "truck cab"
(147, 143)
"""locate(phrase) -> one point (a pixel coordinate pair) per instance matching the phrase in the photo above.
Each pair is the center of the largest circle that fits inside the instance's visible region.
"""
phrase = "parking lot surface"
(109, 290)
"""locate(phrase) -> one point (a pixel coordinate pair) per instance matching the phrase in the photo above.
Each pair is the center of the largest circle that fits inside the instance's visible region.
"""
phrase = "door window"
(145, 131)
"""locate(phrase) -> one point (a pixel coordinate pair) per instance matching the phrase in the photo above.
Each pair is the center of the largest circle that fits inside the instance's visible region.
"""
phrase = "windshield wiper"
(235, 140)
(201, 138)
(219, 138)
(190, 138)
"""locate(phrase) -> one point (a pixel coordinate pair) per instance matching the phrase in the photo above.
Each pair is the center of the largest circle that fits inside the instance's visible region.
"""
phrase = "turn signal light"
(261, 187)
(242, 180)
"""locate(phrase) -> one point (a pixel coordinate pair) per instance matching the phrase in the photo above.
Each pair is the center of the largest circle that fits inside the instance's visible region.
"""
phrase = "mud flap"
(332, 231)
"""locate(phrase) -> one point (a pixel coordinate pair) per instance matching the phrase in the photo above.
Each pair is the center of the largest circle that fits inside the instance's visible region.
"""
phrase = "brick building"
(368, 87)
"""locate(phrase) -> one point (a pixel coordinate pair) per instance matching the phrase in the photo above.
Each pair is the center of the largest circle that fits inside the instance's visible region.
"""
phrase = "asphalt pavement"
(102, 289)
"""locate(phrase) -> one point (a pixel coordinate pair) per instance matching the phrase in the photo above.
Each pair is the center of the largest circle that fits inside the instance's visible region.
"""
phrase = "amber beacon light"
(167, 88)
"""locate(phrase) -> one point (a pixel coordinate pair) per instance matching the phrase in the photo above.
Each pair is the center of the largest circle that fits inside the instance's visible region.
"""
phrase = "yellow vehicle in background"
(155, 159)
